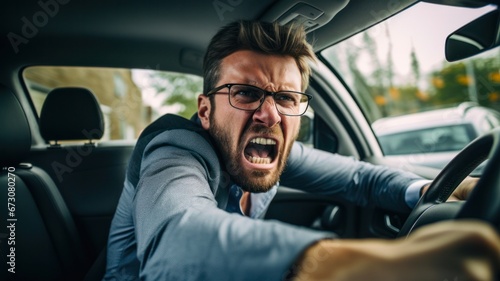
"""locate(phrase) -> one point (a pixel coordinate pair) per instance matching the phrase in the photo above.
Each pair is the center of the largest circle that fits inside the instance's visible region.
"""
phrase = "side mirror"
(478, 36)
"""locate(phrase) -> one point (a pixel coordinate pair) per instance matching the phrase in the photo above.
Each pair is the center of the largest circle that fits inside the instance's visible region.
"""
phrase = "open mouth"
(260, 151)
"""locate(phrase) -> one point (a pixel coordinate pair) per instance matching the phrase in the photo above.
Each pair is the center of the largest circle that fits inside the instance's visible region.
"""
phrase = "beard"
(231, 151)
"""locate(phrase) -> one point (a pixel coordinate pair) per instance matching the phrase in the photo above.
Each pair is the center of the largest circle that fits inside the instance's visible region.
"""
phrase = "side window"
(130, 99)
(306, 133)
(314, 132)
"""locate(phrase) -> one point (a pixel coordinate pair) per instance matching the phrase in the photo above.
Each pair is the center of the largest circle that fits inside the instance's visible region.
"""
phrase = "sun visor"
(311, 15)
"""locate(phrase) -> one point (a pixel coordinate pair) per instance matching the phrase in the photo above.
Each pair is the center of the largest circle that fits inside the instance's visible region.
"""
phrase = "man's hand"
(463, 190)
(459, 250)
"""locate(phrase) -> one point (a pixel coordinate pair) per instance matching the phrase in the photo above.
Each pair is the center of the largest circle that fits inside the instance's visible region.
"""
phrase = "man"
(195, 188)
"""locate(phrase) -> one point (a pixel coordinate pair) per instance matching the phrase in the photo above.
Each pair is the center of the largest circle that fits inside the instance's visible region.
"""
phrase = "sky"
(430, 31)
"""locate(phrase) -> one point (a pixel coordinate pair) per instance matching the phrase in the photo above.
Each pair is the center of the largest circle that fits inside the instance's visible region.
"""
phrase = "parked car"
(432, 138)
(64, 162)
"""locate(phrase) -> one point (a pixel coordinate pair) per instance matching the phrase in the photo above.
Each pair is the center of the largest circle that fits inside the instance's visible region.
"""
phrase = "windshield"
(398, 68)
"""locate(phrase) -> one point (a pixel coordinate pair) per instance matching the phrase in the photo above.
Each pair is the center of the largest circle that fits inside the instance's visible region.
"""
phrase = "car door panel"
(377, 222)
(313, 211)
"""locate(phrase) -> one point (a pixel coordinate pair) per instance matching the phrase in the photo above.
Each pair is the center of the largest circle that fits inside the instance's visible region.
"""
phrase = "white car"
(433, 138)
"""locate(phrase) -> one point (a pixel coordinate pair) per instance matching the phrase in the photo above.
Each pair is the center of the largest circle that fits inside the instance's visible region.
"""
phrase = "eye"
(286, 97)
(246, 93)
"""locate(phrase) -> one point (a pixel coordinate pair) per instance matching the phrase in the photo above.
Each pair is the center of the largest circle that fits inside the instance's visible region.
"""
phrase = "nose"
(267, 114)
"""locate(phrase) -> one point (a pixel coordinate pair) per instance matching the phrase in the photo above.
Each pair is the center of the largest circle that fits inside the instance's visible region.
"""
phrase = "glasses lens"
(291, 103)
(245, 97)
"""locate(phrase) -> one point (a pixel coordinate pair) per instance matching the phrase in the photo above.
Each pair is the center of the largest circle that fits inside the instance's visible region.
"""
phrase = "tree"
(454, 83)
(179, 89)
(415, 66)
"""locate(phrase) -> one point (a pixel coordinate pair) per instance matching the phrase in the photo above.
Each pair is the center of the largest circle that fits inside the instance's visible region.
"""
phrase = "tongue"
(257, 150)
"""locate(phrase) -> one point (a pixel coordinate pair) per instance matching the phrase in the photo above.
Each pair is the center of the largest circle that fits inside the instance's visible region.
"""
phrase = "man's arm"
(465, 250)
(182, 235)
(443, 251)
(317, 171)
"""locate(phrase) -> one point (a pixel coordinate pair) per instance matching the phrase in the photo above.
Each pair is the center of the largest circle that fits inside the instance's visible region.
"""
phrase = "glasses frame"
(216, 90)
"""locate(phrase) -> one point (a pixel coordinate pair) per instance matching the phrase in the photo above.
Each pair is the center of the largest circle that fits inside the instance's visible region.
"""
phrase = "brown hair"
(263, 37)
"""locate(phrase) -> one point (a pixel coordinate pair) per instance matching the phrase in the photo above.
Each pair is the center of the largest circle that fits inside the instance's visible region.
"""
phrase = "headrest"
(71, 114)
(15, 135)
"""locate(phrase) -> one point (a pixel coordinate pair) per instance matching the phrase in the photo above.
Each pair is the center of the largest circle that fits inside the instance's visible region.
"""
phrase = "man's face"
(254, 144)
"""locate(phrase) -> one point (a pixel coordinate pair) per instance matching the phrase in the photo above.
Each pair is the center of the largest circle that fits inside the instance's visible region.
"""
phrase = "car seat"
(42, 241)
(71, 114)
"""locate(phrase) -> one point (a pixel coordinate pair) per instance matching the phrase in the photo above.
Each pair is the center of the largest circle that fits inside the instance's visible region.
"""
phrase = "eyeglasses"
(250, 98)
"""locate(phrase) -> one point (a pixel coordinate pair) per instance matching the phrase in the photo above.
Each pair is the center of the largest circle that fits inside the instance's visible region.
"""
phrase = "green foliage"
(179, 89)
(380, 93)
(476, 80)
(450, 84)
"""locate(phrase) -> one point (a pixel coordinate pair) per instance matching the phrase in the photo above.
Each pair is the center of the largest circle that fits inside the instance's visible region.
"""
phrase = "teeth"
(258, 160)
(263, 141)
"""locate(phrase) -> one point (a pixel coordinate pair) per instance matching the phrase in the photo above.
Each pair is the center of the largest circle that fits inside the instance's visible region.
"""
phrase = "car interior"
(63, 168)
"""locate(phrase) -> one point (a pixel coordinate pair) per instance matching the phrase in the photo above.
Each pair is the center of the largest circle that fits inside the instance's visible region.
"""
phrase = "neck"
(245, 203)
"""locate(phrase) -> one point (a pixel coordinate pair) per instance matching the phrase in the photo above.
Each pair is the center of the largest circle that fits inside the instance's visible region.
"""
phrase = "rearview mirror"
(478, 36)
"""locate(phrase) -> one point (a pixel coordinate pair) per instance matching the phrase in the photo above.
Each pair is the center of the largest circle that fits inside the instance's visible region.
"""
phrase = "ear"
(204, 108)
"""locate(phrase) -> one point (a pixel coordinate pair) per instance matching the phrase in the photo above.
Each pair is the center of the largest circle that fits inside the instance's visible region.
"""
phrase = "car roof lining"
(132, 34)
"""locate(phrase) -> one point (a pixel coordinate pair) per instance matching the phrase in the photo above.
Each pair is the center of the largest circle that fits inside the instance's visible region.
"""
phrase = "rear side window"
(130, 99)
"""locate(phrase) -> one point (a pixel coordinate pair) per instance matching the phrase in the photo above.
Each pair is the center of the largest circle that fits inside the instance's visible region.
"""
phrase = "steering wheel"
(483, 203)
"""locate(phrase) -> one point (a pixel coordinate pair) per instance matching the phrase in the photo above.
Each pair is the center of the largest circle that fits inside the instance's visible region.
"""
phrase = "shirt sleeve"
(182, 234)
(412, 194)
(354, 181)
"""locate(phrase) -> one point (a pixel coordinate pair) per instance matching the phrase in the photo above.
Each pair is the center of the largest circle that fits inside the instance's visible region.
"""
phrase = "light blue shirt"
(259, 201)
